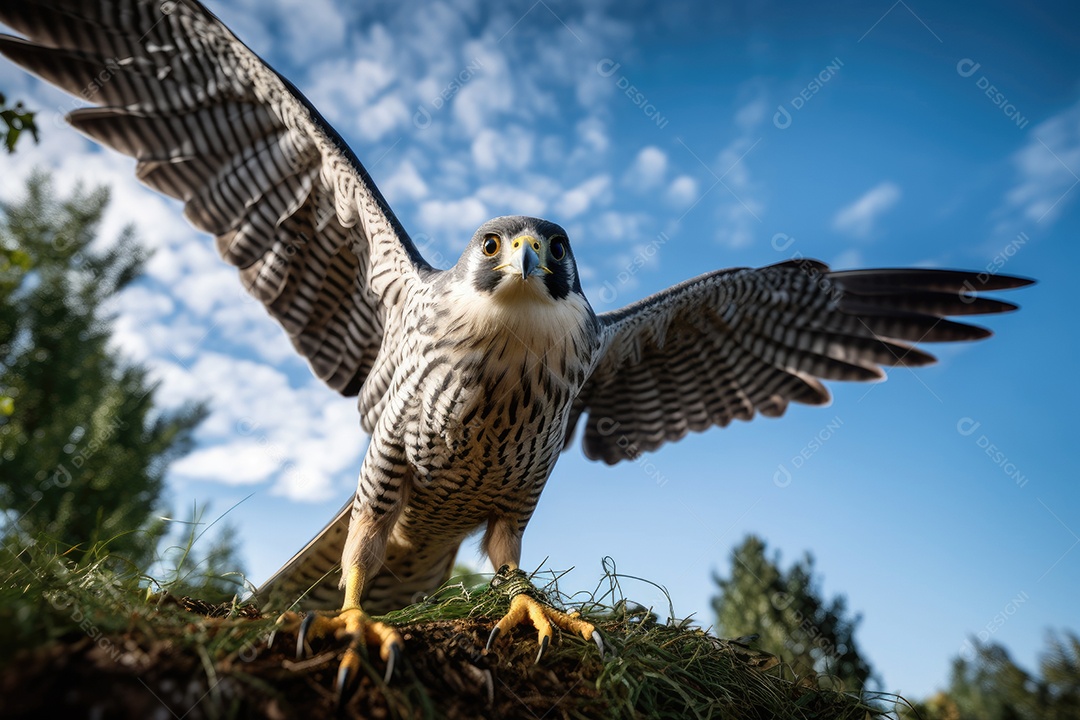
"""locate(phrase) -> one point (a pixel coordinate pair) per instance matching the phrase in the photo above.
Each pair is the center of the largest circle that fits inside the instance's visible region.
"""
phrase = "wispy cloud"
(741, 206)
(859, 218)
(1047, 168)
(517, 126)
(581, 198)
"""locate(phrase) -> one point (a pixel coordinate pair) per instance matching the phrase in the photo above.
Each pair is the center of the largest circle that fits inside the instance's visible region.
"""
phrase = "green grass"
(56, 617)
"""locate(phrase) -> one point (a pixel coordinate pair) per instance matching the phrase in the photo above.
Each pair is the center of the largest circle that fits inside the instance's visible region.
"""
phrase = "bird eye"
(490, 246)
(558, 248)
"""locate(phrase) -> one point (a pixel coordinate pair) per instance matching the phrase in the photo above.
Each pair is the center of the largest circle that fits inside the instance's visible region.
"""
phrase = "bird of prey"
(470, 380)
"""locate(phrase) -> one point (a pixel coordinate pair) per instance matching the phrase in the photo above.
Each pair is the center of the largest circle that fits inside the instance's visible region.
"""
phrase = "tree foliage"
(16, 119)
(83, 449)
(814, 636)
(987, 685)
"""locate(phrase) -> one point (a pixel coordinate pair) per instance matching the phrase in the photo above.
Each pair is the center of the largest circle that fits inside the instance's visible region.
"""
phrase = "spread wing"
(255, 165)
(733, 343)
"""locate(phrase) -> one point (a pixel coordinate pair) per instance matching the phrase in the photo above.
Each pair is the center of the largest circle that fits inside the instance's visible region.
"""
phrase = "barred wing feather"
(255, 165)
(732, 343)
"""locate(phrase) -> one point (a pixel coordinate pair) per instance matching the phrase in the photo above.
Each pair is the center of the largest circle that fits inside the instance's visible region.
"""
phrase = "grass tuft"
(122, 648)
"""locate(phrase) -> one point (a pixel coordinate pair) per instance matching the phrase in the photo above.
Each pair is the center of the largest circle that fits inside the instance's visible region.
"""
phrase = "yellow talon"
(354, 626)
(542, 616)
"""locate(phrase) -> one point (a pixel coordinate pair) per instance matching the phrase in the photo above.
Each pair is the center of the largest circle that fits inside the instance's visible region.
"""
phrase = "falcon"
(470, 380)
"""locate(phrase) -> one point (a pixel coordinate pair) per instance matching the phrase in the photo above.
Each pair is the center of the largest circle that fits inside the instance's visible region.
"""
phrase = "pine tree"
(813, 636)
(83, 449)
(1058, 692)
(987, 685)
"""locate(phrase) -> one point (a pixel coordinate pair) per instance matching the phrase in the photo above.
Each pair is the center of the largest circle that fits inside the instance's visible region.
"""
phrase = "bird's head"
(521, 258)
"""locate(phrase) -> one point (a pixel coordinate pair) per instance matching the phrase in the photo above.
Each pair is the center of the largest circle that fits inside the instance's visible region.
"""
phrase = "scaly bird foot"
(527, 603)
(358, 628)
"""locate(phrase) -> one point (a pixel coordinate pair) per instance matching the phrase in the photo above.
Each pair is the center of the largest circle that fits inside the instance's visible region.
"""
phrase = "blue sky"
(671, 140)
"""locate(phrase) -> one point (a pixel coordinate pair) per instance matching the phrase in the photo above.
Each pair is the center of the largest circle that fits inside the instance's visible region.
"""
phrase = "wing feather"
(209, 123)
(734, 343)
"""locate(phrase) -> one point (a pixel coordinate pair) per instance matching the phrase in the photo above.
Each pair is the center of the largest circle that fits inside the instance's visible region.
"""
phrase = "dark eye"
(558, 248)
(490, 245)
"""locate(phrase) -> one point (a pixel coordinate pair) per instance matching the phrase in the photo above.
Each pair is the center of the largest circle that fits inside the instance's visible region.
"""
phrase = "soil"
(445, 672)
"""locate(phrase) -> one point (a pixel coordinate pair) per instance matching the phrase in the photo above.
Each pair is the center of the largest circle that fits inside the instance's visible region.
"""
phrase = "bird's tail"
(311, 576)
(310, 579)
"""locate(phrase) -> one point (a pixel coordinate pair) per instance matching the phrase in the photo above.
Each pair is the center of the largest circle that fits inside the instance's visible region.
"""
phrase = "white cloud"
(858, 218)
(363, 95)
(584, 196)
(648, 170)
(148, 340)
(457, 219)
(506, 200)
(751, 114)
(682, 192)
(189, 253)
(340, 86)
(243, 462)
(262, 428)
(611, 226)
(247, 326)
(204, 289)
(740, 209)
(405, 183)
(510, 148)
(593, 135)
(486, 98)
(385, 116)
(321, 14)
(334, 451)
(1047, 166)
(520, 106)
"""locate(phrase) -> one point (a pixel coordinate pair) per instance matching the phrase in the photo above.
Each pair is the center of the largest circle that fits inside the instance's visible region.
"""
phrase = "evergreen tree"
(1058, 691)
(83, 450)
(785, 609)
(988, 685)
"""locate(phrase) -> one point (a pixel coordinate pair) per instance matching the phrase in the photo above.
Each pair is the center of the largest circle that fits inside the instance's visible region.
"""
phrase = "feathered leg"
(381, 494)
(502, 543)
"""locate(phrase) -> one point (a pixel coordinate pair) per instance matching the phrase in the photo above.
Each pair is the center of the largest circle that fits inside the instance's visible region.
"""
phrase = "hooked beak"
(525, 262)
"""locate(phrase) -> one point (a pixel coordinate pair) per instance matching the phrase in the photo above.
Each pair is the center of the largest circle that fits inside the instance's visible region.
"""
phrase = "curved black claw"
(344, 685)
(599, 643)
(492, 637)
(392, 661)
(349, 669)
(302, 633)
(544, 641)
